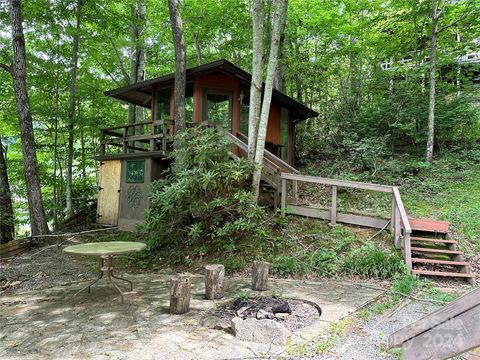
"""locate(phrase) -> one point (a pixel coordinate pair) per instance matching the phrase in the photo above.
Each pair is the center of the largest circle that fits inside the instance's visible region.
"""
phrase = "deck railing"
(144, 136)
(398, 221)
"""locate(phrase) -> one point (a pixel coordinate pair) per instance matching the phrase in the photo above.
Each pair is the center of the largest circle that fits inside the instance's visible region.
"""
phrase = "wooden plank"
(396, 227)
(440, 262)
(308, 212)
(362, 220)
(344, 183)
(453, 337)
(401, 209)
(437, 251)
(442, 273)
(432, 240)
(333, 208)
(459, 306)
(429, 225)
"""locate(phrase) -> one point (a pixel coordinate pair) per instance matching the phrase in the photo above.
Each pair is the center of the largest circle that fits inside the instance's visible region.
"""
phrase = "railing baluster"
(284, 196)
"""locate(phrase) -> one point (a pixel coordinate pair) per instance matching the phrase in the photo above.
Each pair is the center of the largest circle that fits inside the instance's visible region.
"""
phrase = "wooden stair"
(434, 253)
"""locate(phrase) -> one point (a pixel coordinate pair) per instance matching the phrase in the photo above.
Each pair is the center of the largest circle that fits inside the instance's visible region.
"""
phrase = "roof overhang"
(141, 93)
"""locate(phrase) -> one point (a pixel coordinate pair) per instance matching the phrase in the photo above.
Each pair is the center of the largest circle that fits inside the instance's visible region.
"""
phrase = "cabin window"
(135, 172)
(217, 108)
(244, 109)
(163, 104)
(284, 117)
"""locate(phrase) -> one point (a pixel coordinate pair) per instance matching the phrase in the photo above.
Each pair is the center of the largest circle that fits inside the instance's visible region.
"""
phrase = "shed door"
(109, 176)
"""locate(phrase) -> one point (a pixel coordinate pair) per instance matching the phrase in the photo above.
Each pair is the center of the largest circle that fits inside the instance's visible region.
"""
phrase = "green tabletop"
(107, 248)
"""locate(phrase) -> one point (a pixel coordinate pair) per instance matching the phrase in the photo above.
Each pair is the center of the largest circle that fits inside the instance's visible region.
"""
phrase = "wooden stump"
(180, 294)
(260, 275)
(214, 276)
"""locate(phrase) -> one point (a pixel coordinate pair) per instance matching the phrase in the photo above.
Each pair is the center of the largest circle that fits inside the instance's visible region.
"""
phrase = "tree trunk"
(267, 98)
(180, 65)
(214, 276)
(257, 75)
(433, 65)
(279, 79)
(198, 48)
(136, 114)
(260, 275)
(38, 221)
(7, 229)
(71, 110)
(180, 286)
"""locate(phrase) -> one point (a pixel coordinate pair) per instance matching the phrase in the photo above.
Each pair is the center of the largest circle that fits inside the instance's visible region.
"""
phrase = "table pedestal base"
(105, 266)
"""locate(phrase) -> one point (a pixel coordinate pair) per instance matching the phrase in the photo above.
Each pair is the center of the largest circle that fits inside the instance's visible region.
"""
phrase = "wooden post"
(408, 250)
(396, 227)
(284, 196)
(125, 136)
(214, 276)
(180, 294)
(392, 217)
(333, 209)
(260, 275)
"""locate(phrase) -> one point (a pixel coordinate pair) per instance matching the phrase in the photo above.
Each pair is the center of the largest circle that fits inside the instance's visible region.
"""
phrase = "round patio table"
(106, 251)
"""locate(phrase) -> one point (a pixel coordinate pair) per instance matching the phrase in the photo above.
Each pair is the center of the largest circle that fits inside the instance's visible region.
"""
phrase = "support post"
(284, 196)
(180, 294)
(396, 226)
(408, 250)
(214, 277)
(333, 209)
(392, 217)
(260, 275)
(125, 137)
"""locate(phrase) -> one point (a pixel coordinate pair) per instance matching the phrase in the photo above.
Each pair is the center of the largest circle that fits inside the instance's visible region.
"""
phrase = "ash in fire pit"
(294, 314)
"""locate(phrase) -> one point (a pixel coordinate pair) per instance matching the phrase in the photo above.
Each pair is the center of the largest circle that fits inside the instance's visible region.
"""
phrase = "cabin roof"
(140, 93)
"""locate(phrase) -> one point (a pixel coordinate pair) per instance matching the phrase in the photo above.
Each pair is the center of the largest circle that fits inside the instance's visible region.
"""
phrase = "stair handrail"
(407, 229)
(272, 157)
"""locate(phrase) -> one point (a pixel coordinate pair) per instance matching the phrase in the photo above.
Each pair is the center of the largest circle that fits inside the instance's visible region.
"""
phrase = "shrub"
(204, 200)
(371, 261)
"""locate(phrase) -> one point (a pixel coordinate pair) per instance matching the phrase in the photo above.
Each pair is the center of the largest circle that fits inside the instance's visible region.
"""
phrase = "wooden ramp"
(443, 334)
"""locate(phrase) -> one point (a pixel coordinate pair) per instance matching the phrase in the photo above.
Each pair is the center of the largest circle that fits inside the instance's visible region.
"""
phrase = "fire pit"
(264, 319)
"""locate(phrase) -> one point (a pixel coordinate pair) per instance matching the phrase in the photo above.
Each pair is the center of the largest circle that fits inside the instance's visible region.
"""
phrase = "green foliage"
(204, 200)
(371, 261)
(404, 283)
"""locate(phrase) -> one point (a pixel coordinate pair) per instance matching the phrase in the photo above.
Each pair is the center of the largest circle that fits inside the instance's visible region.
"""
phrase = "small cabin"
(132, 156)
